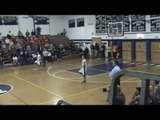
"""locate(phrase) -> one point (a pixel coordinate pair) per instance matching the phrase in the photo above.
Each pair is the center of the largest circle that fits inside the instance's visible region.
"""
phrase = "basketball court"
(61, 81)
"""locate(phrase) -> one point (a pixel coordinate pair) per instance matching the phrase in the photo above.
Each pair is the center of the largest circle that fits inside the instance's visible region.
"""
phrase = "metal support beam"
(144, 76)
(144, 92)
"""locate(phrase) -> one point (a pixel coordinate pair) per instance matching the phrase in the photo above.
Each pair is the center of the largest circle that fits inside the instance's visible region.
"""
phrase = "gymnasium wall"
(88, 31)
(58, 22)
(24, 23)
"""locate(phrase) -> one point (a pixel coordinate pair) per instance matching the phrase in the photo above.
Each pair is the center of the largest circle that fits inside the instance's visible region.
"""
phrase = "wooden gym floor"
(45, 86)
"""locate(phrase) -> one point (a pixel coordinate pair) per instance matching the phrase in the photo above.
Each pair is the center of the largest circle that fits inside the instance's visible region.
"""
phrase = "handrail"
(62, 102)
(145, 79)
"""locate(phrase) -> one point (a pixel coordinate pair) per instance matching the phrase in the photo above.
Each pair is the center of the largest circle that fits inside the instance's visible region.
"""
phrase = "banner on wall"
(138, 17)
(154, 16)
(125, 17)
(101, 24)
(155, 25)
(71, 23)
(114, 18)
(10, 20)
(41, 20)
(80, 22)
(138, 26)
(126, 23)
(0, 20)
(126, 26)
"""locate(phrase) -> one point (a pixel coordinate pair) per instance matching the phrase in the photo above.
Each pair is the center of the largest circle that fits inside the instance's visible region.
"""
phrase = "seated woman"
(136, 97)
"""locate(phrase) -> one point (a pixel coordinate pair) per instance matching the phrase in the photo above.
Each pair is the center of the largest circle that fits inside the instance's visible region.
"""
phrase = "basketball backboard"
(115, 29)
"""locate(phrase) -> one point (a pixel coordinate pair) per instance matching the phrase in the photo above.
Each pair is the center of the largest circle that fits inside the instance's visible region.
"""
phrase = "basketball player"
(83, 70)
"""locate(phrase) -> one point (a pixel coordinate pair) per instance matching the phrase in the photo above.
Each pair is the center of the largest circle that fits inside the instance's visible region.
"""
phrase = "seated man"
(136, 97)
(15, 60)
(120, 97)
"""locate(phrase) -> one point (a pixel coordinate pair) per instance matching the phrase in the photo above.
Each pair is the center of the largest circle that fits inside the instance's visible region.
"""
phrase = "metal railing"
(145, 82)
(62, 102)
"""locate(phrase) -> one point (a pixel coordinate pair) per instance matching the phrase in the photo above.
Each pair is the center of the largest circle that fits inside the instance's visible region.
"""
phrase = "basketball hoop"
(115, 29)
(113, 35)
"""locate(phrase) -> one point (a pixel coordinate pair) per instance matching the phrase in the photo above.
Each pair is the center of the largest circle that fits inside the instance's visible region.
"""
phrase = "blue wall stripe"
(133, 50)
(133, 45)
(148, 51)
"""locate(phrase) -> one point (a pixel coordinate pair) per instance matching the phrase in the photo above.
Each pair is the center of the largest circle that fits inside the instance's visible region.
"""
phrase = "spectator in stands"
(114, 50)
(38, 30)
(50, 43)
(103, 50)
(2, 64)
(61, 46)
(156, 83)
(54, 54)
(136, 97)
(92, 49)
(120, 97)
(15, 59)
(152, 96)
(83, 70)
(158, 95)
(9, 33)
(50, 57)
(46, 42)
(45, 57)
(64, 32)
(20, 34)
(25, 55)
(29, 58)
(34, 56)
(59, 55)
(96, 50)
(118, 51)
(27, 33)
(0, 36)
(3, 45)
(7, 42)
(33, 32)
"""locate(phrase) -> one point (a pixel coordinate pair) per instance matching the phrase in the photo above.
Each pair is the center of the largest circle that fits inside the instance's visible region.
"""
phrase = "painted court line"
(69, 79)
(128, 80)
(35, 85)
(73, 94)
(84, 92)
(43, 103)
(68, 96)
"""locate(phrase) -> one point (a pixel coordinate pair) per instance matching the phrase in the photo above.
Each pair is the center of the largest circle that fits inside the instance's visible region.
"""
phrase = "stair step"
(9, 65)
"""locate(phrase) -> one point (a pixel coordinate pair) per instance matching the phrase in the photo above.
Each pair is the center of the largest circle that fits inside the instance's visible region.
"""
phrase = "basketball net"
(113, 35)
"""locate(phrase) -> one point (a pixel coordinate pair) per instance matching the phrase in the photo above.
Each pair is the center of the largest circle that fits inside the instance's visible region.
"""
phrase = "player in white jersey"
(83, 69)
